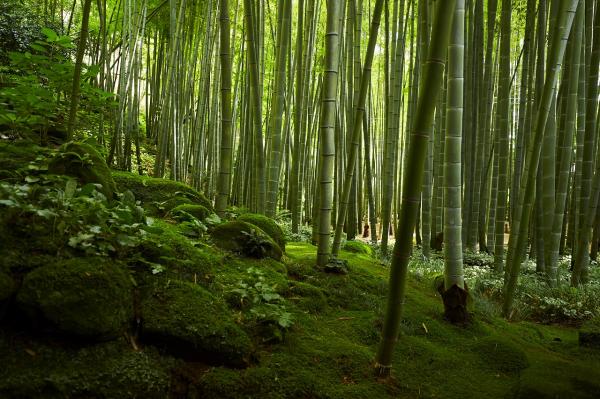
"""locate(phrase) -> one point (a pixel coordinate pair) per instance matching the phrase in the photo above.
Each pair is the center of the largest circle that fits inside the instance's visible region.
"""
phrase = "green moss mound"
(159, 196)
(182, 212)
(246, 239)
(267, 225)
(357, 247)
(307, 297)
(34, 369)
(86, 164)
(502, 355)
(176, 256)
(190, 322)
(87, 297)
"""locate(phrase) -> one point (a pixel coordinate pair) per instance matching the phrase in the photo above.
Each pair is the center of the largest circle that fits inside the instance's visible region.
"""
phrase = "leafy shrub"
(534, 299)
(71, 215)
(262, 304)
(34, 85)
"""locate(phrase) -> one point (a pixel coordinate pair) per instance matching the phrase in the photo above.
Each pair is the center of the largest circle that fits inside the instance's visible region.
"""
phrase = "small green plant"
(256, 245)
(262, 305)
(74, 216)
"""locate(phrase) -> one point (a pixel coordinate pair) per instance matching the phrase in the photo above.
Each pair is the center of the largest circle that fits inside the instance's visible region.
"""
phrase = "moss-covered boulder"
(7, 290)
(184, 211)
(86, 164)
(357, 247)
(267, 225)
(86, 297)
(502, 355)
(246, 239)
(189, 322)
(159, 196)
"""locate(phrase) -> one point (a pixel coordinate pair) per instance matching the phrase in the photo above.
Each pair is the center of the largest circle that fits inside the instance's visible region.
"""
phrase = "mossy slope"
(330, 355)
(159, 196)
(187, 339)
(85, 163)
(194, 324)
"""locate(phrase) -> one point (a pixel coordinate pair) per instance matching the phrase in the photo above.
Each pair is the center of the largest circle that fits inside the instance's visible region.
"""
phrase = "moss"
(88, 297)
(198, 211)
(86, 164)
(158, 196)
(589, 333)
(307, 297)
(35, 369)
(189, 321)
(502, 354)
(267, 225)
(181, 258)
(363, 288)
(558, 379)
(234, 271)
(17, 155)
(357, 247)
(246, 239)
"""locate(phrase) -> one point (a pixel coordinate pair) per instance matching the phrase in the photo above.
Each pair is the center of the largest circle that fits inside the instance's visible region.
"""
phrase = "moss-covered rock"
(246, 239)
(86, 164)
(502, 355)
(357, 247)
(188, 321)
(177, 256)
(181, 212)
(267, 225)
(159, 196)
(87, 297)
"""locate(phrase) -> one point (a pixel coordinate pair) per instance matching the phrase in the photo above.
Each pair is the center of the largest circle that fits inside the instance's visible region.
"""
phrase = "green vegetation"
(159, 195)
(358, 247)
(83, 162)
(89, 297)
(199, 199)
(187, 211)
(267, 225)
(294, 329)
(246, 239)
(193, 324)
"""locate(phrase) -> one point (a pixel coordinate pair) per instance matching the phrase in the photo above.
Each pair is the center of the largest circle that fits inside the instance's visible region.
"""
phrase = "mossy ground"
(327, 353)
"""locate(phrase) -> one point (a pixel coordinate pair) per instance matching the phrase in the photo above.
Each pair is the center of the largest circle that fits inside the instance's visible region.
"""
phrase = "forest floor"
(209, 323)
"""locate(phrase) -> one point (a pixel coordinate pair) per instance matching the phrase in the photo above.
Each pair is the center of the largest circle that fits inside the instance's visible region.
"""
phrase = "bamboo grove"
(464, 125)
